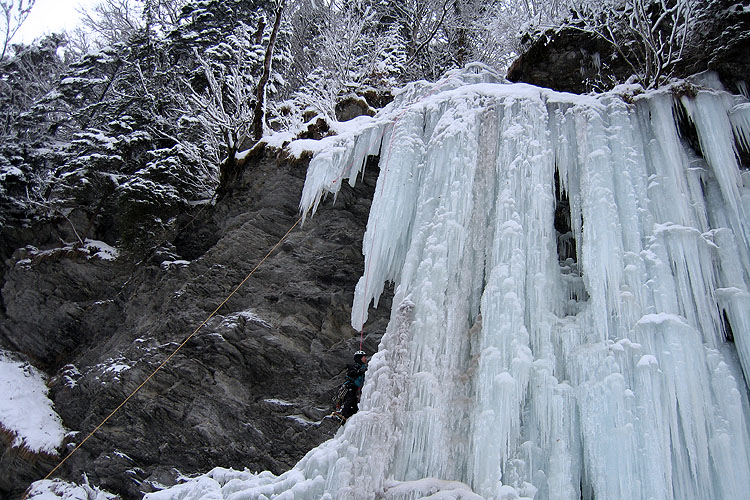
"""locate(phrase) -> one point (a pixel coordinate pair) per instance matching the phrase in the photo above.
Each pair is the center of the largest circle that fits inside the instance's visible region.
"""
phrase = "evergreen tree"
(135, 159)
(151, 121)
(27, 78)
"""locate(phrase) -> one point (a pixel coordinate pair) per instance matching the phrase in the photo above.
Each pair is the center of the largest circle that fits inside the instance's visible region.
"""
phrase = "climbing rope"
(171, 355)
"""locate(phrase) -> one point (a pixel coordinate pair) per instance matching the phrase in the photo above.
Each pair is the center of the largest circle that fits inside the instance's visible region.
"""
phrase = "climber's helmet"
(358, 356)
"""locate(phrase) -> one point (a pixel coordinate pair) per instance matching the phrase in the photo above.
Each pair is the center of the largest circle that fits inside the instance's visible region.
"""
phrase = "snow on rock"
(57, 489)
(168, 264)
(101, 250)
(278, 402)
(247, 316)
(567, 270)
(25, 409)
(92, 248)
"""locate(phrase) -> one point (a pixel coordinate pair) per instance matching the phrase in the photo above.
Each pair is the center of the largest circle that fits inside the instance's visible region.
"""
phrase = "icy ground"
(25, 410)
(571, 317)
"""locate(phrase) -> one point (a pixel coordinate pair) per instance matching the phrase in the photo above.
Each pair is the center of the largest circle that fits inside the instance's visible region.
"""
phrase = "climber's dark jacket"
(355, 377)
(355, 374)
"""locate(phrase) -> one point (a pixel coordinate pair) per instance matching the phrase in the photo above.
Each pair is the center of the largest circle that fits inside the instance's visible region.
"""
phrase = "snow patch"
(25, 409)
(101, 250)
(278, 402)
(247, 316)
(57, 489)
(168, 264)
(301, 419)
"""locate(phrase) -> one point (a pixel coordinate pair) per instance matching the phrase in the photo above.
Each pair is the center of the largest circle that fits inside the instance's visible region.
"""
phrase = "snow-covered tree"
(649, 35)
(132, 162)
(27, 78)
(113, 21)
(230, 51)
(162, 16)
(340, 56)
(349, 49)
(259, 110)
(85, 89)
(225, 107)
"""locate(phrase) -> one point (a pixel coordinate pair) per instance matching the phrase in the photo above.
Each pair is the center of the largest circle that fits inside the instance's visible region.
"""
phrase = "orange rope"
(171, 355)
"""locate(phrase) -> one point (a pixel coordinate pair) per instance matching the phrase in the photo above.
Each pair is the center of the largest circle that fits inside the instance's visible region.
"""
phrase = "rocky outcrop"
(367, 103)
(249, 389)
(352, 106)
(568, 61)
(571, 60)
(723, 45)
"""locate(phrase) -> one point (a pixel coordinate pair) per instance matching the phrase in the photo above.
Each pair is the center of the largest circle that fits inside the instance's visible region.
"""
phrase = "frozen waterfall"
(571, 316)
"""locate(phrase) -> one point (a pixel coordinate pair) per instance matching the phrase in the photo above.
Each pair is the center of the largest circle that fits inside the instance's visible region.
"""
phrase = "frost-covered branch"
(113, 21)
(12, 16)
(226, 105)
(431, 35)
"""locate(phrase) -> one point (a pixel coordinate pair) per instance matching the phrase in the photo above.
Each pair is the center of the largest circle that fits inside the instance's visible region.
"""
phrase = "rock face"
(578, 62)
(249, 389)
(568, 61)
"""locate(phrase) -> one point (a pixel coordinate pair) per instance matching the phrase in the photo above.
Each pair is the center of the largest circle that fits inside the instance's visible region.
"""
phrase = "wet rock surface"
(250, 388)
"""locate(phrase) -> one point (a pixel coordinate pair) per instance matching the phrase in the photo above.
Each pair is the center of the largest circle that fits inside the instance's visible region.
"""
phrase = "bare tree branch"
(12, 17)
(649, 35)
(260, 95)
(429, 38)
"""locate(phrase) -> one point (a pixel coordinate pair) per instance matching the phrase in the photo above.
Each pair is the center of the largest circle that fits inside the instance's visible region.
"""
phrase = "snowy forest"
(531, 213)
(138, 113)
(130, 117)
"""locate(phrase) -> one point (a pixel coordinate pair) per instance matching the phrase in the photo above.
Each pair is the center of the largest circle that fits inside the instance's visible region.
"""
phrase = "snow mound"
(25, 409)
(57, 489)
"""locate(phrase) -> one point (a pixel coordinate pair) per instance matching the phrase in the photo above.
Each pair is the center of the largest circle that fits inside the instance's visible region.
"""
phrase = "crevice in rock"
(742, 149)
(566, 242)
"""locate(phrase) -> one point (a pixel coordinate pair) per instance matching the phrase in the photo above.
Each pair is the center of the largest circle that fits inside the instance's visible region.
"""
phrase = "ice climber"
(347, 400)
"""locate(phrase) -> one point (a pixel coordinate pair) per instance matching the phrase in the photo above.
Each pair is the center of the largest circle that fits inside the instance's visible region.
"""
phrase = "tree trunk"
(259, 114)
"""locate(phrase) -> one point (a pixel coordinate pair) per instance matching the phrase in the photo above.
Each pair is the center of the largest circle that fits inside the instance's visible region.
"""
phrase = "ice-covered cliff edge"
(572, 317)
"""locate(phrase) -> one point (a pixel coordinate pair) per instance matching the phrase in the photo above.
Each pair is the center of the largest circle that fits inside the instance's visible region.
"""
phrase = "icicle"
(709, 112)
(344, 159)
(740, 119)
